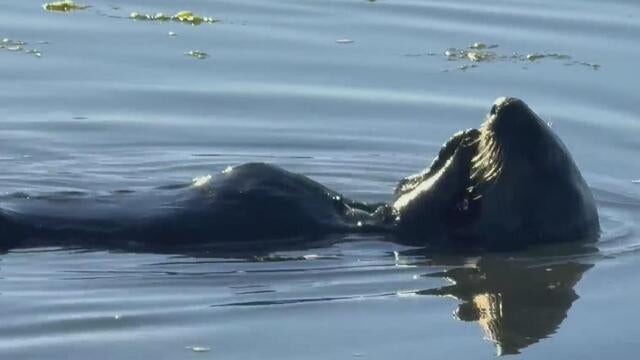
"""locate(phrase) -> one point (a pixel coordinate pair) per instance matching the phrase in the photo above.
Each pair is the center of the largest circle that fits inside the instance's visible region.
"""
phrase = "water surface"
(115, 104)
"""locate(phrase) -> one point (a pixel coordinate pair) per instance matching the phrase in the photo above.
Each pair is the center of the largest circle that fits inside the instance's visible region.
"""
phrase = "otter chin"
(509, 184)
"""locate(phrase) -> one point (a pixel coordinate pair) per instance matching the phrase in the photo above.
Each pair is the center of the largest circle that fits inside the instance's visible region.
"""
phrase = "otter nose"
(498, 104)
(501, 104)
(510, 114)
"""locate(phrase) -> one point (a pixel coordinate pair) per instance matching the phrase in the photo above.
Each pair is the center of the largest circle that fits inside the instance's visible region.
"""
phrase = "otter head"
(511, 184)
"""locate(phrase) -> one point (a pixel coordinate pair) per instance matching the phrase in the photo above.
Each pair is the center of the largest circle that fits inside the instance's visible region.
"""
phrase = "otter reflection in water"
(516, 303)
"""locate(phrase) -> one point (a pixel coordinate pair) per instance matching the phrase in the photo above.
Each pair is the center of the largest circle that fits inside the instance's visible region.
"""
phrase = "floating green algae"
(64, 6)
(479, 52)
(158, 16)
(197, 54)
(188, 17)
(594, 67)
(538, 56)
(18, 46)
(474, 55)
(183, 16)
(476, 52)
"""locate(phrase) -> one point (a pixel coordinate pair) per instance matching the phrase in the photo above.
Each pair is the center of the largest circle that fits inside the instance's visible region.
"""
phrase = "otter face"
(513, 137)
(510, 184)
(528, 186)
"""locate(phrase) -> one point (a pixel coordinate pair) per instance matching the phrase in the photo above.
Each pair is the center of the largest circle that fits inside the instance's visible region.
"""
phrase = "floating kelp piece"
(197, 54)
(534, 57)
(472, 54)
(18, 46)
(64, 6)
(592, 66)
(8, 42)
(538, 56)
(189, 17)
(183, 16)
(479, 52)
(477, 56)
(35, 52)
(158, 16)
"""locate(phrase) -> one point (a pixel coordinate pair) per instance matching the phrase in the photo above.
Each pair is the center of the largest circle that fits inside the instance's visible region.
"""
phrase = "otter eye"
(493, 110)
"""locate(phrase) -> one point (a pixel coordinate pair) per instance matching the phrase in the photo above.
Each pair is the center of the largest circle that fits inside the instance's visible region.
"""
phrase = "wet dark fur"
(512, 183)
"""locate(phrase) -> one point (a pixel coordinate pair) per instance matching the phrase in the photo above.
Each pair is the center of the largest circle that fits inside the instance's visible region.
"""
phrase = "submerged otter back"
(250, 202)
(258, 201)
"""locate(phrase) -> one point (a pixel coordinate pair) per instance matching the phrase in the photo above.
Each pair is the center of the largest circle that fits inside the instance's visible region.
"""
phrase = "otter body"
(509, 184)
(253, 201)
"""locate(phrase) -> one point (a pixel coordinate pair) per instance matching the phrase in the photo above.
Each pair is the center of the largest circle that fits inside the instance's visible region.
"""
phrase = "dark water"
(114, 104)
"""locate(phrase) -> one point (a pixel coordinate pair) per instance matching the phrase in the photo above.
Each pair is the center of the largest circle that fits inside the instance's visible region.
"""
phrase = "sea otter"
(510, 183)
